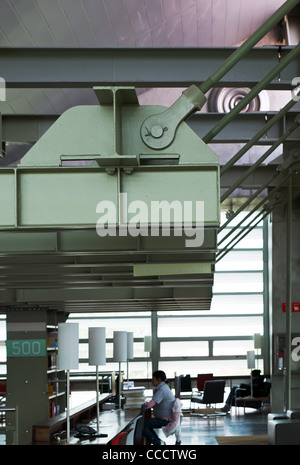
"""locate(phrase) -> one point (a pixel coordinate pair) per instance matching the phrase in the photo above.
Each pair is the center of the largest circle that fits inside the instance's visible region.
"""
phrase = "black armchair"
(213, 394)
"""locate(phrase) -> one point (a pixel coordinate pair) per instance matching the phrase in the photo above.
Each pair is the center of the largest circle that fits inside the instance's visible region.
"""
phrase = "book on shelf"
(52, 340)
(51, 361)
(54, 409)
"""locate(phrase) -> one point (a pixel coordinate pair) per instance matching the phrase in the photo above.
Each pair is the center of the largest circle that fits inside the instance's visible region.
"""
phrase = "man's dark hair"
(159, 374)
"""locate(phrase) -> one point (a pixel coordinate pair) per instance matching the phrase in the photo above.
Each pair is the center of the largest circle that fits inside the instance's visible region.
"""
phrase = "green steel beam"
(250, 199)
(25, 128)
(235, 57)
(111, 293)
(261, 215)
(277, 117)
(262, 84)
(88, 243)
(262, 158)
(242, 128)
(158, 130)
(29, 128)
(61, 203)
(244, 232)
(140, 67)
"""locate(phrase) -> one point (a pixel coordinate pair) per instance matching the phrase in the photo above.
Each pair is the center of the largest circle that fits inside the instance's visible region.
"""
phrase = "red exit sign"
(295, 307)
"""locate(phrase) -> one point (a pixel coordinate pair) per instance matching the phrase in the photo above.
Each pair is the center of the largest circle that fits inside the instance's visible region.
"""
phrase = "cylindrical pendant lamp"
(130, 352)
(251, 364)
(257, 341)
(120, 354)
(68, 356)
(129, 345)
(257, 345)
(251, 359)
(148, 348)
(97, 351)
(147, 344)
(68, 346)
(120, 346)
(97, 346)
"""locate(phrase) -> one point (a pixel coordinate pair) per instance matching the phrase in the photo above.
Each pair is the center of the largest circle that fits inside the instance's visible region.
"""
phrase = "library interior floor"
(238, 427)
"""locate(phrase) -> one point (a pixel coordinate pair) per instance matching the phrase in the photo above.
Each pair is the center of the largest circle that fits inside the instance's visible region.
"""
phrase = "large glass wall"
(213, 341)
(192, 342)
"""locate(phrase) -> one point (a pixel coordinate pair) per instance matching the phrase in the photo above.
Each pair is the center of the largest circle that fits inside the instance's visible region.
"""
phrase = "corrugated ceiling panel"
(139, 22)
(130, 23)
(55, 17)
(33, 22)
(101, 23)
(79, 22)
(120, 22)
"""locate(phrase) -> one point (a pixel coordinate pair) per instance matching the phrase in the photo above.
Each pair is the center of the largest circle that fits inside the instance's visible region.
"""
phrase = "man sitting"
(257, 386)
(162, 403)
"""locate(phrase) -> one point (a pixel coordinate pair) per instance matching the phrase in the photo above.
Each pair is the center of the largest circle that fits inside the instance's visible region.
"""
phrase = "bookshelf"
(34, 383)
(56, 381)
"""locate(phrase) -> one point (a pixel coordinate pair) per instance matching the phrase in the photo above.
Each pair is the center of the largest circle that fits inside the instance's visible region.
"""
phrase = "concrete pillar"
(278, 317)
(27, 367)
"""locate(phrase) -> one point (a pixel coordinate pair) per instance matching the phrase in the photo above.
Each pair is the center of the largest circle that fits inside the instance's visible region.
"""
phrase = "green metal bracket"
(158, 131)
(47, 191)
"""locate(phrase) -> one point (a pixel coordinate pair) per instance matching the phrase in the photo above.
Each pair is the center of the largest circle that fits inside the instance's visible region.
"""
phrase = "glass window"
(184, 348)
(224, 348)
(140, 369)
(138, 350)
(209, 327)
(253, 240)
(193, 368)
(240, 217)
(237, 311)
(233, 304)
(140, 326)
(241, 260)
(238, 282)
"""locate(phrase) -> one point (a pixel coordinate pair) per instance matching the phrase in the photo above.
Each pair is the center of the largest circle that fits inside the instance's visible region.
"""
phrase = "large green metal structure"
(50, 207)
(52, 255)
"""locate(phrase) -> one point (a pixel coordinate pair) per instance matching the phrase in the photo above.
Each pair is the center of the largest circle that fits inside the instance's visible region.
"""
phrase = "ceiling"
(119, 23)
(109, 23)
(131, 23)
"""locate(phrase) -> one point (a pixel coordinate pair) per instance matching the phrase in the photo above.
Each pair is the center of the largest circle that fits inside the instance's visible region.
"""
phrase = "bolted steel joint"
(158, 131)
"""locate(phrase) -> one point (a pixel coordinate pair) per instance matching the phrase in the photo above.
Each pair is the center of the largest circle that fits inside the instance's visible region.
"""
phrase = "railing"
(6, 425)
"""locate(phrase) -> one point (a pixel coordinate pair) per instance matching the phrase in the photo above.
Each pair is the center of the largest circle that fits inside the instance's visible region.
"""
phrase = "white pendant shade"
(68, 346)
(97, 346)
(120, 346)
(257, 341)
(147, 344)
(251, 359)
(129, 345)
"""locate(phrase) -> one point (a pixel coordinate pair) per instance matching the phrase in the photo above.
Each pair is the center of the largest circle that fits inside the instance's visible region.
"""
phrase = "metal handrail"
(14, 428)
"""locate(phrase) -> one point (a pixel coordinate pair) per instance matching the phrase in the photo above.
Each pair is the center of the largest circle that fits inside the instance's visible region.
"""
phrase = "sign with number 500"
(26, 348)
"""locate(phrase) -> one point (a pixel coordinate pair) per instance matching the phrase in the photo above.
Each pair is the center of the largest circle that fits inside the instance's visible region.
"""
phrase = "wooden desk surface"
(111, 423)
